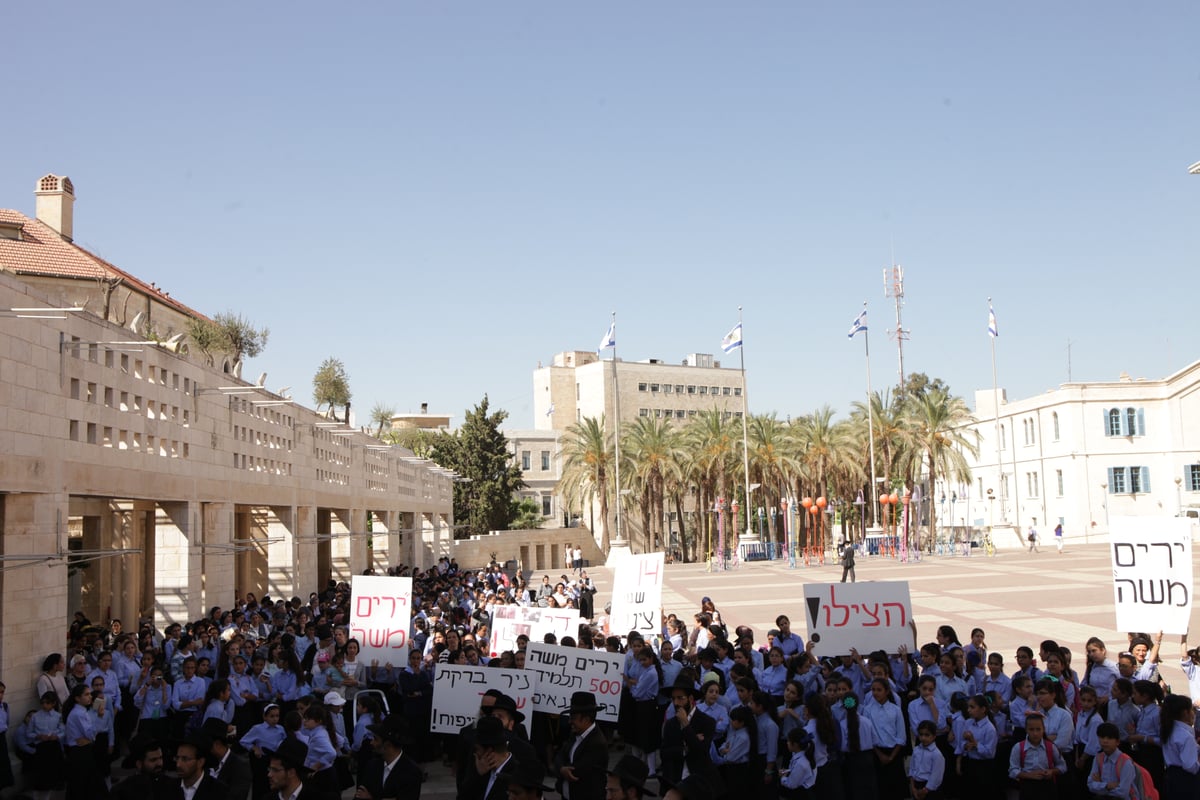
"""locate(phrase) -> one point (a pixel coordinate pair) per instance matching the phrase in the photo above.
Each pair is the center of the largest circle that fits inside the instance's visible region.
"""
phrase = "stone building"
(138, 482)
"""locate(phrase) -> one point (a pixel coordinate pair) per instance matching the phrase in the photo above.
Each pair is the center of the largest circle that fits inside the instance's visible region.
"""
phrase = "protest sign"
(637, 595)
(1152, 573)
(866, 616)
(458, 687)
(380, 618)
(509, 622)
(562, 671)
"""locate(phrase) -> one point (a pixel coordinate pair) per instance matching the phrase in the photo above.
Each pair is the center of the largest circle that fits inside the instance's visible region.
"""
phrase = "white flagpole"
(996, 407)
(745, 429)
(620, 540)
(870, 422)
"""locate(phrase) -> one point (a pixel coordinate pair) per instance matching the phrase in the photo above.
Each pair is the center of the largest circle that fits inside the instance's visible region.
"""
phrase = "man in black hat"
(226, 766)
(686, 736)
(286, 772)
(492, 758)
(493, 703)
(389, 774)
(526, 782)
(582, 761)
(627, 780)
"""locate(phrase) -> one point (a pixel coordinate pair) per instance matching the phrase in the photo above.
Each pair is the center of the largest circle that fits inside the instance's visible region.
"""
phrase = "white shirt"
(190, 792)
(388, 767)
(493, 774)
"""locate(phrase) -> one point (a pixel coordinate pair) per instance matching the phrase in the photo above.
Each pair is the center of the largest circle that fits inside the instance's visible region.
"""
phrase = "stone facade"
(538, 454)
(1081, 454)
(135, 482)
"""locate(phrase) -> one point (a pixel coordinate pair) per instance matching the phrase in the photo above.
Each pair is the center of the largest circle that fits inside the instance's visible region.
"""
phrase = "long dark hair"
(1173, 708)
(818, 710)
(73, 700)
(745, 716)
(850, 703)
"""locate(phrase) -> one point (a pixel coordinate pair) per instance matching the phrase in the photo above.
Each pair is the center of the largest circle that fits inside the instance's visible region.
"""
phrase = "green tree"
(227, 333)
(417, 440)
(526, 515)
(331, 386)
(939, 422)
(478, 452)
(773, 463)
(588, 458)
(381, 417)
(651, 446)
(713, 443)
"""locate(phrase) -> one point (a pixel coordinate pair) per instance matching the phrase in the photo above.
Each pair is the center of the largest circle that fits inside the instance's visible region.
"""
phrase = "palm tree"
(826, 446)
(939, 423)
(587, 459)
(381, 417)
(651, 449)
(892, 428)
(772, 460)
(712, 442)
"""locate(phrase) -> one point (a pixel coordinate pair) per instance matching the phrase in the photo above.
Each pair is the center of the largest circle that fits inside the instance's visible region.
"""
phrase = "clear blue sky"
(443, 195)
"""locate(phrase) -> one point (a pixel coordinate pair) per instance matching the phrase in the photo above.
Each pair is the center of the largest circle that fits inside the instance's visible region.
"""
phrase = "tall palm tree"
(892, 428)
(588, 457)
(712, 443)
(773, 460)
(381, 417)
(940, 436)
(651, 447)
(826, 447)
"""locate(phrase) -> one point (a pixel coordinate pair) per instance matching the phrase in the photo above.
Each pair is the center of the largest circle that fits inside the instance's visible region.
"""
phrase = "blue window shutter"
(1145, 477)
(1112, 487)
(1141, 422)
(1106, 432)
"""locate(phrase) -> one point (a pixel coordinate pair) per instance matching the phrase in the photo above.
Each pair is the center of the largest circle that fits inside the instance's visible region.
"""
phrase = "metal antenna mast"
(893, 289)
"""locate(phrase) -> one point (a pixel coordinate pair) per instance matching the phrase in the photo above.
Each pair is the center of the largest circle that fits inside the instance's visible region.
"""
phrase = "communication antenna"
(893, 289)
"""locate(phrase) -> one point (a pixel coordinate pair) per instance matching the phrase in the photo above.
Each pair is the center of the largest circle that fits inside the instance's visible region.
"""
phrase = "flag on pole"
(733, 339)
(993, 331)
(859, 324)
(610, 338)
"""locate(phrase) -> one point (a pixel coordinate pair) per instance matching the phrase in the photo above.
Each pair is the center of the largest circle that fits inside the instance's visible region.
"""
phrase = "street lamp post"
(806, 504)
(720, 509)
(906, 498)
(736, 542)
(788, 532)
(991, 496)
(1104, 500)
(1179, 497)
(820, 504)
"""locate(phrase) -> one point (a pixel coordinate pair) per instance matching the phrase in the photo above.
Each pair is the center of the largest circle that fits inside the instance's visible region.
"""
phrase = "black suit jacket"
(590, 764)
(403, 783)
(686, 745)
(476, 785)
(235, 773)
(306, 793)
(209, 789)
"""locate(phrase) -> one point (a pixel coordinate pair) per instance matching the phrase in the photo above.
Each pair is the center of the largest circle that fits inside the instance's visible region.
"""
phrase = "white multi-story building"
(579, 384)
(538, 454)
(1081, 454)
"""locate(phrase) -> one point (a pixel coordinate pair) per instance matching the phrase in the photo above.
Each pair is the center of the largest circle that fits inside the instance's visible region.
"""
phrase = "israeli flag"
(733, 339)
(610, 338)
(859, 324)
(993, 331)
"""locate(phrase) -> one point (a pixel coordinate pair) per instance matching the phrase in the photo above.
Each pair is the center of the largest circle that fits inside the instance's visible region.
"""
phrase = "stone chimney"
(56, 204)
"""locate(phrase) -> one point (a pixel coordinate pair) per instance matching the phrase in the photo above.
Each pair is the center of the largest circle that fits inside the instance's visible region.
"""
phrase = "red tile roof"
(41, 251)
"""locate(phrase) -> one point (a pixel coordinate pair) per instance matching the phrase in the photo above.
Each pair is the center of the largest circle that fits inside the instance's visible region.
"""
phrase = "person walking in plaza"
(848, 562)
(1032, 537)
(1058, 537)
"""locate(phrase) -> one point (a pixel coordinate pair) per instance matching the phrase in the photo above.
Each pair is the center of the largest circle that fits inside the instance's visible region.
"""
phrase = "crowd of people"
(270, 698)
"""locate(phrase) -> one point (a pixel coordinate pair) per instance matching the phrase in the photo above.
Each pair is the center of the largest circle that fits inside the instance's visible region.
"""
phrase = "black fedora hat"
(215, 728)
(291, 751)
(506, 703)
(632, 770)
(489, 732)
(394, 728)
(530, 774)
(683, 684)
(583, 703)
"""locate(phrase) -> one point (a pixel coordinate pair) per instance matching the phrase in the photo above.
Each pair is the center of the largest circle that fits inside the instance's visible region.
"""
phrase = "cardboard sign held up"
(864, 616)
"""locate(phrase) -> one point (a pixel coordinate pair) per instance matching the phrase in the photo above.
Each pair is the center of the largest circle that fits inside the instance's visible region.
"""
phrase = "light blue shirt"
(719, 715)
(919, 711)
(268, 737)
(47, 723)
(768, 739)
(927, 764)
(888, 722)
(80, 725)
(1180, 749)
(153, 700)
(186, 690)
(1118, 768)
(646, 687)
(948, 685)
(1035, 758)
(1123, 715)
(736, 747)
(320, 748)
(800, 773)
(984, 733)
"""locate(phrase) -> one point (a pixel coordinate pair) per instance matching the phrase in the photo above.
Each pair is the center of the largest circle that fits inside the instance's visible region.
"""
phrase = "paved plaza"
(1016, 597)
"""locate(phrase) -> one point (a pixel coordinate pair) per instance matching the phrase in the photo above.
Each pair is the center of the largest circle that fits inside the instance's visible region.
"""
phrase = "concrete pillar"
(219, 570)
(427, 540)
(281, 552)
(445, 535)
(339, 544)
(177, 579)
(34, 598)
(305, 568)
(360, 556)
(396, 523)
(126, 583)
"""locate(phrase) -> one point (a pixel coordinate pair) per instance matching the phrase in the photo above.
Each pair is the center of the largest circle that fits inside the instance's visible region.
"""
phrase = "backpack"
(1143, 785)
(1049, 755)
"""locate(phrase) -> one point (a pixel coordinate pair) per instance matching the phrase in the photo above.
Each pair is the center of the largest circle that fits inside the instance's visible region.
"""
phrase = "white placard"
(458, 687)
(509, 622)
(1152, 573)
(562, 671)
(380, 618)
(637, 595)
(869, 616)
